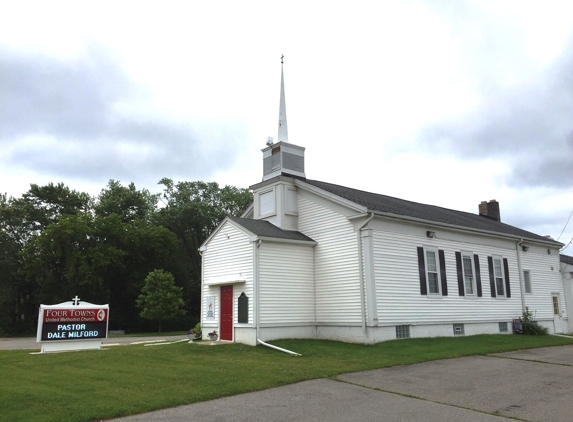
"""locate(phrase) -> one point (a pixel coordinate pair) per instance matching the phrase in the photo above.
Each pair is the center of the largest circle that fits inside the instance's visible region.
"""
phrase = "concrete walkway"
(532, 385)
(29, 343)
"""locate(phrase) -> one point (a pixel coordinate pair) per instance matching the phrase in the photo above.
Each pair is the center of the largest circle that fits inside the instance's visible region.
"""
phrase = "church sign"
(72, 325)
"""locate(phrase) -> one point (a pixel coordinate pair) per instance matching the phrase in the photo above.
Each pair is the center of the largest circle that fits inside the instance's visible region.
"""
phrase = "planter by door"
(226, 313)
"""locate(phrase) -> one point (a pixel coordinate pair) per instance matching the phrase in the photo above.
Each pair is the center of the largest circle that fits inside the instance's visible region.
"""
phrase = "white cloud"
(382, 94)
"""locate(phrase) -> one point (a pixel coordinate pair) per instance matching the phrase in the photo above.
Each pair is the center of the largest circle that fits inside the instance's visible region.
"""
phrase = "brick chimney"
(490, 209)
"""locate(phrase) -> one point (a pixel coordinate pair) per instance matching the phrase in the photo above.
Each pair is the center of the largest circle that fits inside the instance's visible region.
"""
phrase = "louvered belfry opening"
(283, 158)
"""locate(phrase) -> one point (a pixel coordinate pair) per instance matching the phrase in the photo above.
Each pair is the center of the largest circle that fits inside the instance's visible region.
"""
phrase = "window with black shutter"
(499, 276)
(432, 272)
(467, 274)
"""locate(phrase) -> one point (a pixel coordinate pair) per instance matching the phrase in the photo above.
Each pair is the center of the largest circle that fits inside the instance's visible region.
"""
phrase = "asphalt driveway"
(531, 385)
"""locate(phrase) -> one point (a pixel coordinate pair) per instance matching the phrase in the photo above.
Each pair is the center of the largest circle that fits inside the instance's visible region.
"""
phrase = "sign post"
(72, 325)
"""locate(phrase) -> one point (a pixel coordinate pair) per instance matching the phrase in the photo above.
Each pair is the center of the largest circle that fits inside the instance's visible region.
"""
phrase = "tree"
(192, 211)
(56, 242)
(22, 220)
(74, 256)
(101, 258)
(160, 298)
(127, 202)
(16, 317)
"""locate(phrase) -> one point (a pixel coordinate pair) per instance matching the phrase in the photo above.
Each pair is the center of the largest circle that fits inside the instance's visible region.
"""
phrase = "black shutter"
(478, 275)
(506, 268)
(443, 272)
(459, 269)
(491, 278)
(422, 270)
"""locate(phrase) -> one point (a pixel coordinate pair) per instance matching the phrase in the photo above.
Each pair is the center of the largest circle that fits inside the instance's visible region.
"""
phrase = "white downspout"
(256, 288)
(201, 250)
(361, 271)
(278, 348)
(521, 285)
(258, 302)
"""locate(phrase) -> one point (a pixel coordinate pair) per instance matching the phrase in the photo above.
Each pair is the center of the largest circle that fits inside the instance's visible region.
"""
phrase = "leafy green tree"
(126, 201)
(100, 258)
(21, 220)
(56, 242)
(192, 210)
(160, 298)
(72, 257)
(14, 306)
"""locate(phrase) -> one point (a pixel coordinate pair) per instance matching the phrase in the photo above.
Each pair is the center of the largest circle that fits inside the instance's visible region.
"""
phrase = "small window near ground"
(503, 327)
(527, 281)
(459, 330)
(402, 331)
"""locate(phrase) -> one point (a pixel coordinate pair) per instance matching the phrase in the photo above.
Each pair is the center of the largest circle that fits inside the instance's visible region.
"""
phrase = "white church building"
(311, 259)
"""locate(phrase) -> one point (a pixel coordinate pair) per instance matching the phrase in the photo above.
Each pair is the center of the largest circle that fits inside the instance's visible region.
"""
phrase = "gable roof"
(399, 207)
(265, 229)
(566, 259)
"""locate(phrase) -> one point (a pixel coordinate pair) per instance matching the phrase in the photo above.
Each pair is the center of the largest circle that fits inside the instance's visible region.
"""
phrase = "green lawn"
(122, 380)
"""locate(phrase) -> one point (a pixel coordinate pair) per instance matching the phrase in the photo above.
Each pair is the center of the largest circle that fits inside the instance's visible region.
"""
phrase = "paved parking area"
(500, 385)
(316, 400)
(532, 385)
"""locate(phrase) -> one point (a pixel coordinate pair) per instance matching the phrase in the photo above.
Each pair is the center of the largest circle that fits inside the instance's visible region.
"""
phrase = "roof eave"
(279, 178)
(463, 228)
(218, 228)
(281, 240)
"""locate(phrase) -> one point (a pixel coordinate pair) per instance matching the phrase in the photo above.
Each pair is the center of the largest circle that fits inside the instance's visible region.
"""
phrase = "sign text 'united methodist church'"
(74, 324)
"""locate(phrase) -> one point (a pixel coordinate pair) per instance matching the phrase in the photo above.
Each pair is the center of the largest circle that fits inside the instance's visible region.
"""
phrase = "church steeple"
(283, 131)
(282, 158)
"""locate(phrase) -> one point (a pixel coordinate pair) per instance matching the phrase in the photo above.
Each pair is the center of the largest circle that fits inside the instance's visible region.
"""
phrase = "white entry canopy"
(226, 279)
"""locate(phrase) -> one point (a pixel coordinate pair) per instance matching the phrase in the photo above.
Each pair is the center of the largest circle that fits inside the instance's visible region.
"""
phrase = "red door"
(227, 313)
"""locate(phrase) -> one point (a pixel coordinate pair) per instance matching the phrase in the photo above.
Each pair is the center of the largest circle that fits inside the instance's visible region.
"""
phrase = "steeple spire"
(283, 131)
(282, 158)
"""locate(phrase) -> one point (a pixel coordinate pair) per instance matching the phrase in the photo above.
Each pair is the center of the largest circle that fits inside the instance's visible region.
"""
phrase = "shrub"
(530, 326)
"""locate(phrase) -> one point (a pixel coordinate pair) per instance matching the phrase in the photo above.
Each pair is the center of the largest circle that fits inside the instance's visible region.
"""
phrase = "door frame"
(557, 316)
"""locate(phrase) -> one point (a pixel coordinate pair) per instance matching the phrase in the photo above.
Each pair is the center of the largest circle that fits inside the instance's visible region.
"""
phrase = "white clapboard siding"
(398, 284)
(335, 262)
(229, 253)
(544, 282)
(286, 284)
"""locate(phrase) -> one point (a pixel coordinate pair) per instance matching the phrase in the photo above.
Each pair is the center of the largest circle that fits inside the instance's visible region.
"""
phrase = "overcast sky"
(441, 102)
